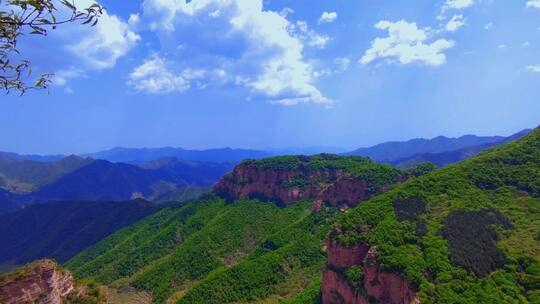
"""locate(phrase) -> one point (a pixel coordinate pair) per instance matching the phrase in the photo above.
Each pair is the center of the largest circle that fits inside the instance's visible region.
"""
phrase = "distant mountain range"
(440, 150)
(24, 182)
(21, 175)
(142, 155)
(449, 157)
(162, 174)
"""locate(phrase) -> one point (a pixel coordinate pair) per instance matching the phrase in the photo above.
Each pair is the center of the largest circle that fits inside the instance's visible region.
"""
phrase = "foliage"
(375, 175)
(421, 169)
(471, 239)
(296, 259)
(61, 230)
(355, 276)
(465, 227)
(33, 17)
(241, 251)
(409, 209)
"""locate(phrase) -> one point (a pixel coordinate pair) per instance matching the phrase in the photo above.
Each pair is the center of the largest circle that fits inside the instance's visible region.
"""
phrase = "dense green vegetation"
(61, 230)
(375, 175)
(208, 250)
(476, 238)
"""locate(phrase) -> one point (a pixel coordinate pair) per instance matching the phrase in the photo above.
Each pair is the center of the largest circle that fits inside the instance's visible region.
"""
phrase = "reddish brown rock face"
(342, 257)
(385, 287)
(332, 187)
(44, 284)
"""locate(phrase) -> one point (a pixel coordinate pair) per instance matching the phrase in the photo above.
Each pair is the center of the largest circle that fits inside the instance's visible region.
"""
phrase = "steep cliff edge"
(353, 276)
(44, 282)
(328, 178)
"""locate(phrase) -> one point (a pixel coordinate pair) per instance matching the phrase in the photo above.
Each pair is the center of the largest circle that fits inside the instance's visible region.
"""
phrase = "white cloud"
(526, 43)
(406, 43)
(454, 5)
(253, 48)
(153, 76)
(214, 14)
(533, 3)
(328, 17)
(134, 20)
(457, 4)
(488, 26)
(455, 23)
(533, 68)
(501, 46)
(61, 77)
(339, 65)
(286, 12)
(101, 46)
(302, 31)
(88, 48)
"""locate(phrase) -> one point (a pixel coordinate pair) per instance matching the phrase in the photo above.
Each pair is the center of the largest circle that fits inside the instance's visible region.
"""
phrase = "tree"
(33, 17)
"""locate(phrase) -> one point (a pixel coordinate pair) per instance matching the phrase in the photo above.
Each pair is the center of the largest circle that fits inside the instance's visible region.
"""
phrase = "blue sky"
(280, 73)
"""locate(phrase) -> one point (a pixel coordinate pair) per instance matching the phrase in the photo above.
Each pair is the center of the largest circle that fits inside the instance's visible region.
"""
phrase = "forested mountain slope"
(215, 252)
(468, 233)
(61, 230)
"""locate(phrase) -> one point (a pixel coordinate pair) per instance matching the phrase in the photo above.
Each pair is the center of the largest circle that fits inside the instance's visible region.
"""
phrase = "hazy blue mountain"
(61, 230)
(191, 172)
(35, 157)
(393, 151)
(9, 201)
(104, 180)
(448, 157)
(142, 155)
(18, 174)
(306, 150)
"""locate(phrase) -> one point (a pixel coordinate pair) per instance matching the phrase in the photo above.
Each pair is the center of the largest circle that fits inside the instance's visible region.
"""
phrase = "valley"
(304, 229)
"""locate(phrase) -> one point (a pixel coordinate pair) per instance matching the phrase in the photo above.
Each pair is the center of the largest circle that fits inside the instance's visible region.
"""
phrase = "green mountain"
(211, 251)
(468, 233)
(61, 230)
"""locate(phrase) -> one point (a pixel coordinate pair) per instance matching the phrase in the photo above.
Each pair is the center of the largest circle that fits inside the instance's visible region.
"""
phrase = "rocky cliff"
(329, 179)
(369, 284)
(43, 282)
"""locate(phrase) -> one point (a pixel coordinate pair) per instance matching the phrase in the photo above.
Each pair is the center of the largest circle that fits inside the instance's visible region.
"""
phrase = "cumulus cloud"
(533, 68)
(328, 17)
(406, 43)
(249, 46)
(488, 26)
(533, 3)
(88, 48)
(101, 46)
(455, 23)
(153, 76)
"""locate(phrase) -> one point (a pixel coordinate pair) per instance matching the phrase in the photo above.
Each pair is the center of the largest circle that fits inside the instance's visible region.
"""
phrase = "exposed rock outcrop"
(41, 282)
(377, 285)
(288, 183)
